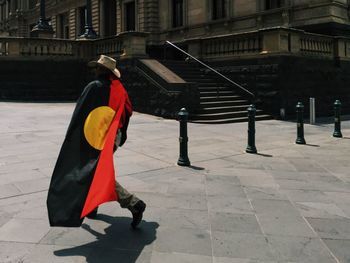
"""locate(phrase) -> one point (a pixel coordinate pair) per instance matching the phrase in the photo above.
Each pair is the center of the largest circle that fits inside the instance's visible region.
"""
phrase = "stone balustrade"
(316, 45)
(272, 41)
(128, 44)
(245, 44)
(34, 47)
(109, 46)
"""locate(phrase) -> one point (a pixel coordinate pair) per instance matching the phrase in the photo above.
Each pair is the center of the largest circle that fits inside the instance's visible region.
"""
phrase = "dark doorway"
(108, 18)
(130, 16)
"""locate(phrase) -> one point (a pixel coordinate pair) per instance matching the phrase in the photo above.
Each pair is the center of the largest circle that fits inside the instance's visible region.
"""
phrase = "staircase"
(219, 103)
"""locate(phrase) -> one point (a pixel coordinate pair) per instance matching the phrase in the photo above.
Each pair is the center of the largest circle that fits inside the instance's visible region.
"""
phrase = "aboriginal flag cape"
(83, 177)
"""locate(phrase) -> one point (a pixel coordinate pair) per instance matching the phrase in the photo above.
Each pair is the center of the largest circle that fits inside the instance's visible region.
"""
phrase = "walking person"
(84, 175)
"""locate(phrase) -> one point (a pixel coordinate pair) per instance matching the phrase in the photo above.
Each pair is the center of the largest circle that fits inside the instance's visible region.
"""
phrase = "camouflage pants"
(125, 199)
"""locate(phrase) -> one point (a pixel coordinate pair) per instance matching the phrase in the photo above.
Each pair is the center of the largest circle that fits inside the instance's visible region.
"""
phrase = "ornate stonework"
(199, 20)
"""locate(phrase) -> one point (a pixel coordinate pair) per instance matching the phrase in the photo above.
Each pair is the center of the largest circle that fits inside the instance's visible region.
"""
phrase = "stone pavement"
(289, 203)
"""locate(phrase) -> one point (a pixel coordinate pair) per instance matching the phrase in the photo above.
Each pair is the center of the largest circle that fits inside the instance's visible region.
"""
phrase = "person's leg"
(125, 199)
(131, 202)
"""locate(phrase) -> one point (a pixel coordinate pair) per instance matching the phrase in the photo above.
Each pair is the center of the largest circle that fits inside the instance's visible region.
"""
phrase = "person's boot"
(137, 213)
(92, 214)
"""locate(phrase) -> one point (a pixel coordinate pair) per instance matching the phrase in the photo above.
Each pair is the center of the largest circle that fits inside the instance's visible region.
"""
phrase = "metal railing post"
(337, 122)
(183, 139)
(251, 130)
(300, 124)
(312, 111)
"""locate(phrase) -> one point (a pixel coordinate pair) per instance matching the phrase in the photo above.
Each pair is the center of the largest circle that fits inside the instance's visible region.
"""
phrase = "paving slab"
(24, 230)
(289, 203)
(241, 245)
(158, 257)
(340, 248)
(300, 249)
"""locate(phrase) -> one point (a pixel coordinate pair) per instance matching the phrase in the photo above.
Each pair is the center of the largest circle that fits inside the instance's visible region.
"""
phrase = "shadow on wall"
(43, 80)
(119, 243)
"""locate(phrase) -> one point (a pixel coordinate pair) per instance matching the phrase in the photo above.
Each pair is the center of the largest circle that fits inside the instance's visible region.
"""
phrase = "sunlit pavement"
(288, 203)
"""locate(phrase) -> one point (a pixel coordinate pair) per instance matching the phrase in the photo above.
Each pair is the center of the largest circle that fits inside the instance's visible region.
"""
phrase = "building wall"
(54, 25)
(155, 16)
(72, 23)
(196, 12)
(163, 15)
(95, 15)
(244, 8)
(119, 16)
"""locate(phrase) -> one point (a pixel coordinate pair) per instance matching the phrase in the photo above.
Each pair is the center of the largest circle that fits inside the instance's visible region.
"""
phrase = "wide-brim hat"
(106, 62)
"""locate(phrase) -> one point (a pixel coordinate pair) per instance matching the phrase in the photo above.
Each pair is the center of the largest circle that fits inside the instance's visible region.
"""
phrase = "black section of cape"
(76, 163)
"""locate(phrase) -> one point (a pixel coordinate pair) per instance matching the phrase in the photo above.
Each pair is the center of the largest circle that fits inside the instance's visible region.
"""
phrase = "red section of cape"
(102, 188)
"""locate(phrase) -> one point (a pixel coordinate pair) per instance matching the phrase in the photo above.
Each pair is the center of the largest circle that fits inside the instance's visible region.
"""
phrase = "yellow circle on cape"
(96, 126)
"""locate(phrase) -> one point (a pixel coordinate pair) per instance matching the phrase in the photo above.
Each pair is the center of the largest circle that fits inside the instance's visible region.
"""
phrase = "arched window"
(178, 13)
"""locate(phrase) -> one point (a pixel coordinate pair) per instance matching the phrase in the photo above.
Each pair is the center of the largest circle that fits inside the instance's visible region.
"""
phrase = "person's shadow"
(119, 243)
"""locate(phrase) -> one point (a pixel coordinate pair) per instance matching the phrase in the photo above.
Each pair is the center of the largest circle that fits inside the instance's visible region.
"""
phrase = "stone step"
(213, 88)
(231, 120)
(224, 103)
(223, 109)
(210, 84)
(179, 63)
(221, 115)
(264, 86)
(215, 93)
(185, 69)
(219, 98)
(197, 79)
(266, 77)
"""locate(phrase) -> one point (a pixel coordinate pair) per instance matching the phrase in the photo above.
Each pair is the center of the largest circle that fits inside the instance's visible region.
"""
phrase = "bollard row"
(300, 122)
(251, 148)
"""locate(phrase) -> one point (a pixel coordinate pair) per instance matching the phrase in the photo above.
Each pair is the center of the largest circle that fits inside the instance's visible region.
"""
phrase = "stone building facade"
(269, 47)
(175, 20)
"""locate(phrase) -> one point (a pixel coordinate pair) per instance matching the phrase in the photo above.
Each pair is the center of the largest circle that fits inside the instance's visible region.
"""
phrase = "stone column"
(12, 7)
(102, 19)
(134, 44)
(24, 5)
(89, 31)
(7, 9)
(278, 40)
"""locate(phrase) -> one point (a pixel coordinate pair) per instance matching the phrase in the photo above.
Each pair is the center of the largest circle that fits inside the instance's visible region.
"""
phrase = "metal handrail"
(215, 71)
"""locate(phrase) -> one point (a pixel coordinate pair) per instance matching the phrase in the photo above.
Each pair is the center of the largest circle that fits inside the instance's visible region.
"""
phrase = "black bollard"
(251, 130)
(183, 139)
(337, 122)
(300, 124)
